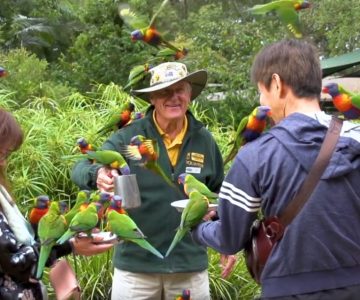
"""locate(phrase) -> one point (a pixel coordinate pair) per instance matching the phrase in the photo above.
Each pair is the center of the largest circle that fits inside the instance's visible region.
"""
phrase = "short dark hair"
(295, 61)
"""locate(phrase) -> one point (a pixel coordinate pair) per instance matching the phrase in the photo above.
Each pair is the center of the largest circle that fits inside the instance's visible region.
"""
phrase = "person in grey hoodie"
(319, 254)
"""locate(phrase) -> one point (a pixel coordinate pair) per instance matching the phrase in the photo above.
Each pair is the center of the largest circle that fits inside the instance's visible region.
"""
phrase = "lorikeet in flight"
(167, 54)
(192, 184)
(144, 31)
(51, 227)
(125, 229)
(194, 211)
(249, 129)
(344, 101)
(287, 10)
(146, 151)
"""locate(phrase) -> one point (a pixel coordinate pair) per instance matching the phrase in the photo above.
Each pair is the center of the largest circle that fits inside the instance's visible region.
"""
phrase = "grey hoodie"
(321, 248)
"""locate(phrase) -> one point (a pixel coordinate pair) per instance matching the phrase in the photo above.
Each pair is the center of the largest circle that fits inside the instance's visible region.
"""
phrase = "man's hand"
(227, 264)
(105, 179)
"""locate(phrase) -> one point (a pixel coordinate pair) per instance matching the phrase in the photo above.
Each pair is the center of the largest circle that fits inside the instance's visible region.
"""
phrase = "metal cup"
(126, 186)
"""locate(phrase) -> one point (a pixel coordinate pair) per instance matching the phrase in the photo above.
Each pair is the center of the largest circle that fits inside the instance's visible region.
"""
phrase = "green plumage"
(237, 141)
(83, 221)
(81, 198)
(192, 215)
(287, 12)
(51, 226)
(125, 228)
(355, 98)
(192, 184)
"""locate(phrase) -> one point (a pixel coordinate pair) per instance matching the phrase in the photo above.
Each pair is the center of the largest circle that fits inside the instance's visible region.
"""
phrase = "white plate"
(107, 237)
(180, 205)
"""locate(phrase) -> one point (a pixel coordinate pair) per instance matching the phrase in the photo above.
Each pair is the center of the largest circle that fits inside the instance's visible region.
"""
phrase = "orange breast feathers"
(255, 124)
(151, 35)
(342, 102)
(36, 214)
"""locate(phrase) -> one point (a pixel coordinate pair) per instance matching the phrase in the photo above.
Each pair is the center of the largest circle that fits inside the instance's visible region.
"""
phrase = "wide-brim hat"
(169, 73)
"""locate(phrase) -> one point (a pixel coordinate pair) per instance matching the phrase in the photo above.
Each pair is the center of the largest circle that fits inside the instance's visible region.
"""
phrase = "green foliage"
(102, 53)
(238, 285)
(68, 59)
(29, 78)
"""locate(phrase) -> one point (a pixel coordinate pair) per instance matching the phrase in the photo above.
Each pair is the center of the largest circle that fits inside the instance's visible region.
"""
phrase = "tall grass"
(51, 130)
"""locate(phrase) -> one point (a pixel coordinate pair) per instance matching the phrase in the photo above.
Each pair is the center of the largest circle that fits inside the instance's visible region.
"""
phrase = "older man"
(185, 146)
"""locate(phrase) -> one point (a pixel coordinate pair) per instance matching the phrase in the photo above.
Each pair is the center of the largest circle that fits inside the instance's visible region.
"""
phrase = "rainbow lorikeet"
(145, 31)
(344, 101)
(111, 158)
(116, 204)
(146, 151)
(3, 72)
(84, 146)
(137, 74)
(167, 54)
(64, 207)
(51, 227)
(126, 229)
(192, 184)
(83, 221)
(249, 129)
(194, 211)
(184, 296)
(40, 208)
(81, 198)
(118, 119)
(287, 10)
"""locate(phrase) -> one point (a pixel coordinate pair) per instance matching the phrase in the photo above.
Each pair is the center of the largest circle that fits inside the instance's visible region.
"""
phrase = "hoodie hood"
(310, 132)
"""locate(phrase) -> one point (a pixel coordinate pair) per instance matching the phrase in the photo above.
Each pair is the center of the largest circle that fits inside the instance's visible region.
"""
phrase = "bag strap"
(318, 168)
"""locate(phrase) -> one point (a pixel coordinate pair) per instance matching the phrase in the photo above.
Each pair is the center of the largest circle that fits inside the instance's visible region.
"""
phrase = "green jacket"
(156, 218)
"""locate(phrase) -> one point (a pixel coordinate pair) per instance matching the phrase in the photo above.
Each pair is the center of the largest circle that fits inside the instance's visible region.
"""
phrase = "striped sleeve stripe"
(239, 198)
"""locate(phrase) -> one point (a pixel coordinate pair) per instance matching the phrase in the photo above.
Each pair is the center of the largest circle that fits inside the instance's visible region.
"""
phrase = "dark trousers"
(346, 293)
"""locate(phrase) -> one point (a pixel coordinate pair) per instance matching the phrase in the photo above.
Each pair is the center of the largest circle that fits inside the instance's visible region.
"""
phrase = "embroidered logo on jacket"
(195, 159)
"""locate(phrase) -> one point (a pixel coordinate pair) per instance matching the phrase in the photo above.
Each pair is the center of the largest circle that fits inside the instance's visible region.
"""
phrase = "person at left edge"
(18, 248)
(185, 146)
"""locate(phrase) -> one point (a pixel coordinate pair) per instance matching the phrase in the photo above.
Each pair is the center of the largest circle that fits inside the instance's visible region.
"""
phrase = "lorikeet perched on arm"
(51, 227)
(125, 228)
(41, 207)
(84, 146)
(193, 213)
(192, 184)
(83, 221)
(249, 129)
(81, 198)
